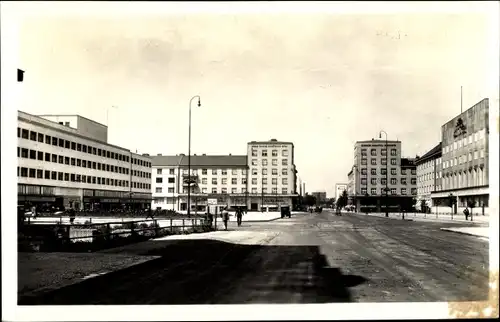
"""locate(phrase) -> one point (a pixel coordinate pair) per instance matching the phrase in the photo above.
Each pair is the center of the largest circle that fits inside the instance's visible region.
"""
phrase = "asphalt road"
(309, 258)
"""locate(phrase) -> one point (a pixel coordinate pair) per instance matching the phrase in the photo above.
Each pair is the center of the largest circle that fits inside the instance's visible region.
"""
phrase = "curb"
(464, 233)
(444, 221)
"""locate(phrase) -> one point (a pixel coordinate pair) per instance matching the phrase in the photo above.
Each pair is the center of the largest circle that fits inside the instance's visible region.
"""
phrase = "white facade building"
(66, 165)
(429, 174)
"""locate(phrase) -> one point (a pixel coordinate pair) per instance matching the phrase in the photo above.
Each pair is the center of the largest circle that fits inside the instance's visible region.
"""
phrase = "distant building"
(465, 162)
(429, 174)
(339, 189)
(320, 196)
(65, 161)
(367, 178)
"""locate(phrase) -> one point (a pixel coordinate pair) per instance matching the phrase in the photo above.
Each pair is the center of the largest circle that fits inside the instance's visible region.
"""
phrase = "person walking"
(225, 216)
(466, 213)
(239, 215)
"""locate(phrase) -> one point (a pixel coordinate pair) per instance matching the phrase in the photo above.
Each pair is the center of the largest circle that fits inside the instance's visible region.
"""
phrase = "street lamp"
(386, 174)
(189, 155)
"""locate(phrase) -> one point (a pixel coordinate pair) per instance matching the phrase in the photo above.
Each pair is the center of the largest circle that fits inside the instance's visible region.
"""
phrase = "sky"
(321, 80)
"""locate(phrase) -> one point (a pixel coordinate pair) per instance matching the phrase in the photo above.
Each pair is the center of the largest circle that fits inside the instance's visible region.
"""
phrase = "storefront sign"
(212, 201)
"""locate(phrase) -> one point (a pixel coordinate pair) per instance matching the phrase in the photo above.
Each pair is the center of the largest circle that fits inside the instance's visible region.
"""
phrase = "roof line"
(72, 115)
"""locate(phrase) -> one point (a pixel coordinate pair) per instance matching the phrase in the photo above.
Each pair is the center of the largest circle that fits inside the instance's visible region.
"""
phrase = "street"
(309, 258)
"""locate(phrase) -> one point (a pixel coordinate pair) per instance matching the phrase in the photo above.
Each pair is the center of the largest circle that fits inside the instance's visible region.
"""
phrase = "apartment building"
(220, 177)
(340, 188)
(429, 176)
(465, 161)
(375, 162)
(272, 175)
(66, 161)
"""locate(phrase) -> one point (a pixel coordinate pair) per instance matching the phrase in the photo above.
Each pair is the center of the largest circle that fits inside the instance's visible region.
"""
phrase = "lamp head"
(380, 135)
(199, 102)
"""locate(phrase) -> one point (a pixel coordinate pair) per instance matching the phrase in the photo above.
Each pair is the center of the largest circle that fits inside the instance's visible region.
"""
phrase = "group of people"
(224, 215)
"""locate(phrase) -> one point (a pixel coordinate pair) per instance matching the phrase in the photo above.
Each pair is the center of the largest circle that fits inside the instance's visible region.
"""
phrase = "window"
(264, 171)
(18, 132)
(32, 173)
(413, 171)
(403, 172)
(264, 190)
(413, 181)
(234, 172)
(172, 171)
(393, 161)
(40, 155)
(363, 161)
(214, 190)
(158, 171)
(234, 190)
(274, 153)
(40, 137)
(393, 181)
(284, 153)
(254, 190)
(403, 180)
(393, 191)
(54, 175)
(373, 171)
(224, 190)
(47, 157)
(264, 180)
(284, 172)
(284, 191)
(413, 191)
(393, 152)
(383, 181)
(254, 153)
(61, 143)
(243, 180)
(158, 190)
(373, 180)
(48, 139)
(214, 180)
(234, 181)
(384, 161)
(214, 171)
(393, 171)
(363, 152)
(275, 162)
(254, 172)
(363, 171)
(284, 181)
(264, 162)
(24, 172)
(33, 154)
(274, 181)
(403, 191)
(383, 152)
(244, 172)
(39, 174)
(363, 181)
(224, 172)
(264, 153)
(373, 191)
(254, 180)
(374, 161)
(373, 152)
(284, 162)
(54, 141)
(24, 153)
(170, 190)
(383, 171)
(203, 181)
(275, 190)
(33, 136)
(363, 191)
(159, 180)
(254, 161)
(224, 180)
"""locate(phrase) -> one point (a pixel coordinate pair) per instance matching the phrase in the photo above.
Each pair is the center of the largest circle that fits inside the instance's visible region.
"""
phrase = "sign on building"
(212, 201)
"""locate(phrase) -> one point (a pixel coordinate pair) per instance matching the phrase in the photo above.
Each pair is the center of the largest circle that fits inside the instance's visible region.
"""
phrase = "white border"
(12, 92)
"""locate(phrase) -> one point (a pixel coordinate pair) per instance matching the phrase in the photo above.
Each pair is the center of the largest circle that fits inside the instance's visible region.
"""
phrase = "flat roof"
(77, 115)
(199, 160)
(272, 141)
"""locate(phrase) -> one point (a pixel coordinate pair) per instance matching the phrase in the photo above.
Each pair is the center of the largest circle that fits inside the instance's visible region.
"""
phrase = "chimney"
(229, 153)
(203, 154)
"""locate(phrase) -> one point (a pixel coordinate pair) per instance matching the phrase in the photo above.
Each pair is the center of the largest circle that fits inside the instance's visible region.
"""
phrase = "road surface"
(309, 258)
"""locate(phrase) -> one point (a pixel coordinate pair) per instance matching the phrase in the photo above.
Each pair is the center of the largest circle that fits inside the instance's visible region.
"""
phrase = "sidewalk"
(445, 218)
(472, 231)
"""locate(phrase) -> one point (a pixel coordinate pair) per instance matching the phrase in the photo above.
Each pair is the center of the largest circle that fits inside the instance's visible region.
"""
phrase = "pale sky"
(322, 81)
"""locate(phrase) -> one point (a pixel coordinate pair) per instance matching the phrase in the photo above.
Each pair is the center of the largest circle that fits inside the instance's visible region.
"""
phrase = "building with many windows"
(262, 180)
(375, 162)
(429, 174)
(66, 161)
(220, 177)
(465, 162)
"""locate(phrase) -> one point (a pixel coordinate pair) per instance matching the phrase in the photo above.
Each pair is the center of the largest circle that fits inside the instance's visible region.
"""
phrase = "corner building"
(65, 161)
(465, 161)
(429, 177)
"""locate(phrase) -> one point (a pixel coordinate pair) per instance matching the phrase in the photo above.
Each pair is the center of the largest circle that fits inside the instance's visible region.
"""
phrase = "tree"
(452, 201)
(309, 200)
(342, 200)
(471, 204)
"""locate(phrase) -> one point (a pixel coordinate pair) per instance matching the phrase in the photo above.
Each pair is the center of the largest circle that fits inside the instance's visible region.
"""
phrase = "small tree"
(471, 204)
(342, 200)
(309, 200)
(452, 201)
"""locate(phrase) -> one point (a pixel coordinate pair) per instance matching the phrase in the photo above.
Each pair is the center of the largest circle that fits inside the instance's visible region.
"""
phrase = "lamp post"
(386, 174)
(189, 155)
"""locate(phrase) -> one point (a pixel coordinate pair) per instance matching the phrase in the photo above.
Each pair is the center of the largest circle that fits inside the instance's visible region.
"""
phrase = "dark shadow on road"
(211, 272)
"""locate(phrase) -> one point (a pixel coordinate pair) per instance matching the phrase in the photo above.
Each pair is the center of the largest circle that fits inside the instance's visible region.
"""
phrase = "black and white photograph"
(249, 160)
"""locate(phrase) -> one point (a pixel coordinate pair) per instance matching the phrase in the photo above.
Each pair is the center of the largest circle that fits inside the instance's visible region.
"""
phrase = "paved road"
(309, 258)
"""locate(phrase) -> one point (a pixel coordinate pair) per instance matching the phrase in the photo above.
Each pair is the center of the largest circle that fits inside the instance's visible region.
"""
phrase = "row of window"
(429, 164)
(393, 181)
(429, 176)
(284, 191)
(274, 153)
(52, 157)
(73, 177)
(428, 189)
(194, 172)
(373, 152)
(464, 158)
(52, 140)
(364, 171)
(274, 172)
(468, 179)
(374, 191)
(274, 162)
(463, 142)
(373, 161)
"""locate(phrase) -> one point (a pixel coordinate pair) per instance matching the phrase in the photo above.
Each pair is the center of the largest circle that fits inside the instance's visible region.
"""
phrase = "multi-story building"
(220, 177)
(272, 178)
(465, 163)
(320, 196)
(340, 188)
(429, 174)
(372, 167)
(66, 161)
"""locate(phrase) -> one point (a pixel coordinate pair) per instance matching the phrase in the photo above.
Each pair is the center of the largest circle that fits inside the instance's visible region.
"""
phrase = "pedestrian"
(239, 215)
(466, 213)
(225, 216)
